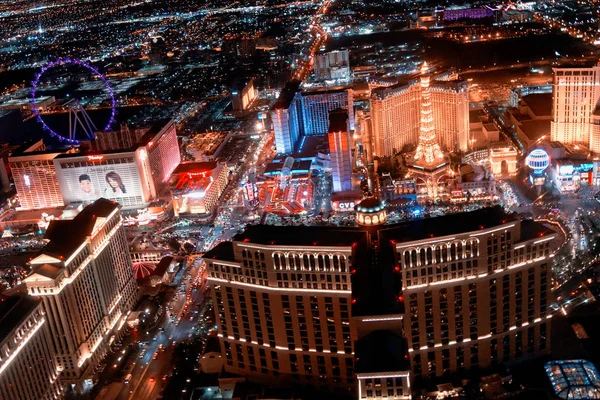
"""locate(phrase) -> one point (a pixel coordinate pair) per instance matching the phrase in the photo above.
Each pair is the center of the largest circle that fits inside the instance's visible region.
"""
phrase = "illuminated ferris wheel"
(78, 117)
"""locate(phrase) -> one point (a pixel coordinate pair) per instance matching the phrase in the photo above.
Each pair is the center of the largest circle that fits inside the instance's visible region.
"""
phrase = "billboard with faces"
(86, 180)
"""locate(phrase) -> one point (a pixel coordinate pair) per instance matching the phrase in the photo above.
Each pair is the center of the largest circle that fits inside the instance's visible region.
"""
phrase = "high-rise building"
(332, 65)
(450, 105)
(123, 176)
(35, 177)
(316, 105)
(575, 116)
(286, 117)
(306, 113)
(138, 165)
(340, 150)
(86, 281)
(163, 153)
(197, 186)
(396, 119)
(243, 94)
(323, 306)
(28, 365)
(124, 138)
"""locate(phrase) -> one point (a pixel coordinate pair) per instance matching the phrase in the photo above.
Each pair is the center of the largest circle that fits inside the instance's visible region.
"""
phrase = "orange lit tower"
(429, 165)
(428, 150)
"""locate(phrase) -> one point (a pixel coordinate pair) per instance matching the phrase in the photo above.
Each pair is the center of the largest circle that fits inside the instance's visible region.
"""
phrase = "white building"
(315, 306)
(333, 65)
(575, 117)
(122, 176)
(28, 364)
(86, 281)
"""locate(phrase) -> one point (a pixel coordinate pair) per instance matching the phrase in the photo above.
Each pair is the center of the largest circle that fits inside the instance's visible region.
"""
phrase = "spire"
(428, 149)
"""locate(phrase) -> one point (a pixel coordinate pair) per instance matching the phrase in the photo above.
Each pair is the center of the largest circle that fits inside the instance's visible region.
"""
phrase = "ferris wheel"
(78, 117)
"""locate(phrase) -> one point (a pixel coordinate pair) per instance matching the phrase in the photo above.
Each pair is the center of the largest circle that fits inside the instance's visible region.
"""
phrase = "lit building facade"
(284, 305)
(306, 113)
(122, 176)
(323, 306)
(332, 65)
(286, 117)
(139, 171)
(86, 281)
(396, 119)
(162, 149)
(340, 151)
(35, 177)
(243, 95)
(450, 105)
(316, 106)
(28, 366)
(476, 297)
(575, 93)
(197, 186)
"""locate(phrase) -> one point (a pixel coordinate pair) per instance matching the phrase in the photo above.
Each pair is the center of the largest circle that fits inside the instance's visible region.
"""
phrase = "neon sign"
(95, 158)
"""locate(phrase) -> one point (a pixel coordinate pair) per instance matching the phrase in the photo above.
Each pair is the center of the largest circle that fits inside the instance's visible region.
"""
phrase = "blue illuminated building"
(574, 379)
(538, 160)
(298, 114)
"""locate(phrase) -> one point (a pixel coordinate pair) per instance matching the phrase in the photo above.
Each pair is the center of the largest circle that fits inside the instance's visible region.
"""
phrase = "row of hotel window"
(307, 366)
(510, 347)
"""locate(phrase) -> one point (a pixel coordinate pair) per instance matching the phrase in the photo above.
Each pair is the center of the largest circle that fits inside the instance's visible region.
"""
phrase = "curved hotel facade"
(372, 307)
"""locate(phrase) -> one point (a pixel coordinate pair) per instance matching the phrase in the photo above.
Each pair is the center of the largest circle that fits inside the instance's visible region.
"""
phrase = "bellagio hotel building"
(365, 310)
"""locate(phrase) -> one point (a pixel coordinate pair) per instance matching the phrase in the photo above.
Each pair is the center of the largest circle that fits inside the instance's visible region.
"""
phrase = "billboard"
(85, 180)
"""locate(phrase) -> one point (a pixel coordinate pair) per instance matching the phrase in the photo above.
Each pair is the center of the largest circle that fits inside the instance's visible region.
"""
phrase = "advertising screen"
(114, 179)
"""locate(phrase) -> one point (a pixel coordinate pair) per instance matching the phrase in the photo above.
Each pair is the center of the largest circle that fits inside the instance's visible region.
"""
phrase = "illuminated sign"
(346, 205)
(27, 180)
(202, 174)
(121, 181)
(566, 170)
(584, 167)
(95, 158)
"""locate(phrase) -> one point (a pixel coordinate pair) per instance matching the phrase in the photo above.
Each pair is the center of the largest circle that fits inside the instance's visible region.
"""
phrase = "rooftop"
(287, 95)
(451, 224)
(154, 130)
(539, 103)
(381, 351)
(67, 235)
(324, 90)
(191, 167)
(223, 251)
(574, 379)
(162, 266)
(338, 121)
(370, 204)
(13, 311)
(299, 235)
(299, 167)
(536, 128)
